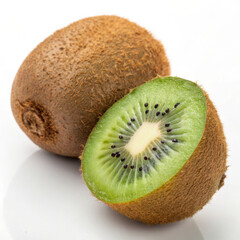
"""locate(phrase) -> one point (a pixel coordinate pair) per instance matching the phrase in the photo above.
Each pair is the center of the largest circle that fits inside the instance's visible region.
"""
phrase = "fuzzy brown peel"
(192, 187)
(77, 73)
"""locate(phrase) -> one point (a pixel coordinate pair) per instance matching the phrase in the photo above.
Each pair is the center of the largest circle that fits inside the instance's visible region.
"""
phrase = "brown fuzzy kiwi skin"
(70, 79)
(192, 187)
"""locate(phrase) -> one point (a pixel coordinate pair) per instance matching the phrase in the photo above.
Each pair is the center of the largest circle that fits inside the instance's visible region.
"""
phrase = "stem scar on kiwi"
(166, 175)
(37, 120)
(77, 73)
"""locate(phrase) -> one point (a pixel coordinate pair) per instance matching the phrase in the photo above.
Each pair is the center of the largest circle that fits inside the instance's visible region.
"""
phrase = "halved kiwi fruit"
(158, 154)
(70, 79)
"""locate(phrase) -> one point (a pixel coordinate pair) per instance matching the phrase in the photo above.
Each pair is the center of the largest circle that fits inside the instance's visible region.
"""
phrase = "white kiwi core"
(144, 135)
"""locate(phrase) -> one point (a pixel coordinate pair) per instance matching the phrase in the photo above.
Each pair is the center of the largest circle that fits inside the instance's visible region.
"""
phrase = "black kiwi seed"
(162, 142)
(132, 119)
(146, 104)
(125, 166)
(113, 146)
(169, 130)
(154, 149)
(167, 124)
(167, 110)
(140, 169)
(145, 158)
(120, 136)
(157, 113)
(113, 154)
(123, 159)
(175, 140)
(146, 111)
(176, 104)
(156, 105)
(163, 113)
(129, 124)
(132, 167)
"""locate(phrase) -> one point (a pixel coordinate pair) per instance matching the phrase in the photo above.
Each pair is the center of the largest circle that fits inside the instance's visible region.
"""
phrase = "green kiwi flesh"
(144, 139)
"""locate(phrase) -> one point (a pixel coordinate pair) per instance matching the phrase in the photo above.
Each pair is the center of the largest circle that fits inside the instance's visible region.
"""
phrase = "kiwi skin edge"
(70, 79)
(192, 187)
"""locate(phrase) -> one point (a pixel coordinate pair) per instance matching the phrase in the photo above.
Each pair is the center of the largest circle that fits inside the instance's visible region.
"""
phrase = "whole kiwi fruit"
(70, 79)
(159, 154)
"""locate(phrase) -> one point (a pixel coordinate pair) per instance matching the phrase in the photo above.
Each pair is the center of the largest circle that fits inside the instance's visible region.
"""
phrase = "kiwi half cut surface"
(141, 143)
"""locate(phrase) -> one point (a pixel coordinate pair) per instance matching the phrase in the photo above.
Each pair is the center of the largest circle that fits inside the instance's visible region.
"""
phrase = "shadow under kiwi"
(47, 199)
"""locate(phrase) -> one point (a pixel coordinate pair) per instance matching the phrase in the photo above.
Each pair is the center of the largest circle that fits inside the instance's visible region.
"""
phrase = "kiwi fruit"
(70, 79)
(159, 154)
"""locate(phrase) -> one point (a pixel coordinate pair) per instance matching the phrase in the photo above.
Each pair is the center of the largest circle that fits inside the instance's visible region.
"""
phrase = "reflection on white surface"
(47, 199)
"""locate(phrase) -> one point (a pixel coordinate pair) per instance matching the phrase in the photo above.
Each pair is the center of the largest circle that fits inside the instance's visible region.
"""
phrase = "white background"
(42, 196)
